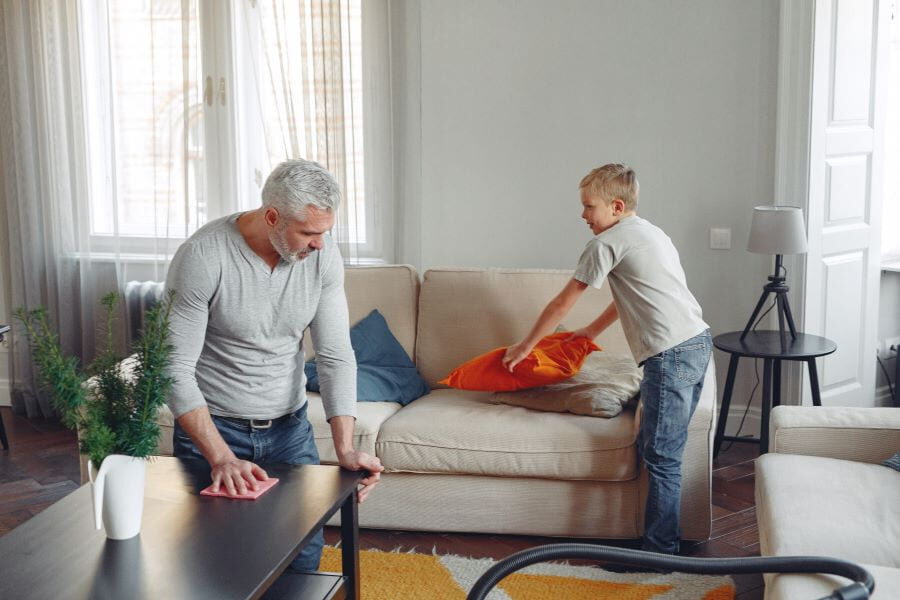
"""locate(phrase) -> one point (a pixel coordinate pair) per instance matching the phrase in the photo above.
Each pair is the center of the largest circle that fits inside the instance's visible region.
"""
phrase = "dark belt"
(256, 423)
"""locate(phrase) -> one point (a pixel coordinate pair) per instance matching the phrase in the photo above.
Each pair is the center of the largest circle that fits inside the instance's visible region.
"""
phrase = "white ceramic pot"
(119, 495)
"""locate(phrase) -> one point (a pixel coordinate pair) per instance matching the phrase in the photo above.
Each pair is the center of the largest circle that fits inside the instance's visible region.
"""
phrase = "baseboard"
(751, 423)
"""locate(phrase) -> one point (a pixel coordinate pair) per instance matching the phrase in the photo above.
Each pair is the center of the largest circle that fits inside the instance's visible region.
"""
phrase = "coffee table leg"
(350, 546)
(814, 382)
(726, 401)
(3, 439)
(766, 403)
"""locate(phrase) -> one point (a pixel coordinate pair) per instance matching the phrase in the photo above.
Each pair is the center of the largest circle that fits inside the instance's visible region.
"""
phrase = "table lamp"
(776, 230)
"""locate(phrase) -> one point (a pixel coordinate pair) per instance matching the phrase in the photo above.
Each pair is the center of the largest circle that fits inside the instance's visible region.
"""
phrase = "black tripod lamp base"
(782, 307)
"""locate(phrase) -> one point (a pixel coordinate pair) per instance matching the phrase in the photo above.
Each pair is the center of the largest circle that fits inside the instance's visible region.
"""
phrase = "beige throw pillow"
(602, 388)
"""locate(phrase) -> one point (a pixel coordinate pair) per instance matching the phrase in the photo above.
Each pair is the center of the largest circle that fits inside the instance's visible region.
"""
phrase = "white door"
(846, 154)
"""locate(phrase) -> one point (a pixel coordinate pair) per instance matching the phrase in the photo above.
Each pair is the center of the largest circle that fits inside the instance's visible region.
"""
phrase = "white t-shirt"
(655, 307)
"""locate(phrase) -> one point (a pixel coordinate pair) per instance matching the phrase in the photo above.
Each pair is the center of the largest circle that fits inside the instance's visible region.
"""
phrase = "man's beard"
(277, 238)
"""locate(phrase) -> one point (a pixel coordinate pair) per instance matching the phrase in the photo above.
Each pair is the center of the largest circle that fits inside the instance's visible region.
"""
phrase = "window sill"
(124, 257)
(143, 258)
(367, 262)
(891, 263)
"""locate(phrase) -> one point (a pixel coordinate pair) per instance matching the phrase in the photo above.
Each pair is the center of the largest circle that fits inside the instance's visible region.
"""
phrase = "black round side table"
(772, 348)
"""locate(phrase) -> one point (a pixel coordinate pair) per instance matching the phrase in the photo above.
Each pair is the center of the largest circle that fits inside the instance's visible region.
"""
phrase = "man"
(247, 286)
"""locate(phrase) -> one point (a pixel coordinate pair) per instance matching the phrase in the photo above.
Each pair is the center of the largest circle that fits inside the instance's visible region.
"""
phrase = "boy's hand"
(583, 332)
(514, 355)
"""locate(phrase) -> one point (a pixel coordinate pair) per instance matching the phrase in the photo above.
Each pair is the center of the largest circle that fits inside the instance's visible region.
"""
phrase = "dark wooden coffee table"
(190, 546)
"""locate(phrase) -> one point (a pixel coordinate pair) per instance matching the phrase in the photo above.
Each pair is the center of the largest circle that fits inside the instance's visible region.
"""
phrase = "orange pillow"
(553, 359)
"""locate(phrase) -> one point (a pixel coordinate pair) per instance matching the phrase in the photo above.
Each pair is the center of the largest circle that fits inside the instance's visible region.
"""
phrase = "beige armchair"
(822, 490)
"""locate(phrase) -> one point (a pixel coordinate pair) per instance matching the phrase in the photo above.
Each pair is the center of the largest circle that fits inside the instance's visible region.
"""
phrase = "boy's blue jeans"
(289, 442)
(670, 390)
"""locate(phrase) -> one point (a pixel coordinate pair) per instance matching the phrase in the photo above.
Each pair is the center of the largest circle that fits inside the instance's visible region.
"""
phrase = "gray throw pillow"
(602, 388)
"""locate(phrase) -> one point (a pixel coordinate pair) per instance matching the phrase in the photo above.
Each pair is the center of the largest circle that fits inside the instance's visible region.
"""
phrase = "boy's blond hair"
(613, 181)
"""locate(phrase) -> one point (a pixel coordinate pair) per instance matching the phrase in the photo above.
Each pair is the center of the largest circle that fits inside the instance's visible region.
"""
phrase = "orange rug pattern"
(415, 576)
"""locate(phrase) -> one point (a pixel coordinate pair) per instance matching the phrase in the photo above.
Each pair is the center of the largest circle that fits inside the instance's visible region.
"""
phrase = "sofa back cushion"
(393, 290)
(466, 312)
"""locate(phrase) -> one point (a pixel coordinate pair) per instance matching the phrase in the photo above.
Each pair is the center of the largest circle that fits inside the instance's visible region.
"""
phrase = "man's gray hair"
(295, 184)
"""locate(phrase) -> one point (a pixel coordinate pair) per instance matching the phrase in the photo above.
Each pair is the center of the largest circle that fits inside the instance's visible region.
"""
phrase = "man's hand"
(354, 460)
(514, 355)
(236, 475)
(225, 468)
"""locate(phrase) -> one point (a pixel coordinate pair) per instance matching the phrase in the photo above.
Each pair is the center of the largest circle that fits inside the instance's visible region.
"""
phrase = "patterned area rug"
(414, 576)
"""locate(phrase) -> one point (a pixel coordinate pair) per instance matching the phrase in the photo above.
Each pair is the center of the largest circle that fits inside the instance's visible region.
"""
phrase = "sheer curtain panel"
(98, 122)
(301, 71)
(125, 125)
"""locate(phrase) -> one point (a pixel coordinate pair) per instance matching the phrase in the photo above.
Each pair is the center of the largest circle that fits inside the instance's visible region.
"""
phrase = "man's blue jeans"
(670, 390)
(289, 442)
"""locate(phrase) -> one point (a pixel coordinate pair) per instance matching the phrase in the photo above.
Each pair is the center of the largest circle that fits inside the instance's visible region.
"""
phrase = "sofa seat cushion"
(369, 418)
(464, 432)
(827, 506)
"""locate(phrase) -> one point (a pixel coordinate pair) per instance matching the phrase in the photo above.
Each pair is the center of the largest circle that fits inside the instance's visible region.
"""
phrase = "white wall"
(500, 107)
(519, 99)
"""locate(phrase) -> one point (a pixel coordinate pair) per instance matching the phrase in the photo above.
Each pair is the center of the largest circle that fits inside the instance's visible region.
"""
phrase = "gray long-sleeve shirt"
(237, 328)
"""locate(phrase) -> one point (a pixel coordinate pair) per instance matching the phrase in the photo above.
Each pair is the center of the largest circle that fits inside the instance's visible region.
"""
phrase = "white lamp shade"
(777, 230)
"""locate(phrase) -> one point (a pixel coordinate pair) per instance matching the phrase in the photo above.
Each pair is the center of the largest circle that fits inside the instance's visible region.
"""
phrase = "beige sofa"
(822, 491)
(456, 461)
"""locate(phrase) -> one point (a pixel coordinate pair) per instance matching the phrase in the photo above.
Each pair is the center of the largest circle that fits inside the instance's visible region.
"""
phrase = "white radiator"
(140, 296)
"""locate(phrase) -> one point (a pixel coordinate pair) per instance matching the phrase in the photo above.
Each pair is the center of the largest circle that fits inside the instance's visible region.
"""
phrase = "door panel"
(844, 208)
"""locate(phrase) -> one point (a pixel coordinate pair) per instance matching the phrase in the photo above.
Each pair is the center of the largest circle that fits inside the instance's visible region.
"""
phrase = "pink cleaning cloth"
(263, 487)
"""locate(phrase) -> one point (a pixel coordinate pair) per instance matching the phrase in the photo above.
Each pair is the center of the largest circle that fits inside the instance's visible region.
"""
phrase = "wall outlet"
(720, 238)
(885, 345)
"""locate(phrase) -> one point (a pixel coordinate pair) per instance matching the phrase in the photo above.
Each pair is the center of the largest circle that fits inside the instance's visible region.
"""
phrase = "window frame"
(227, 138)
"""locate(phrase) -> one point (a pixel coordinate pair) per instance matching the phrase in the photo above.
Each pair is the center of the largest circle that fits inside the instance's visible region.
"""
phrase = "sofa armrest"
(696, 466)
(851, 433)
(704, 419)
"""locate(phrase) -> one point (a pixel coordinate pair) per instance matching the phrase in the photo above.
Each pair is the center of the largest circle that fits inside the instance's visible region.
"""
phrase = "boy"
(663, 325)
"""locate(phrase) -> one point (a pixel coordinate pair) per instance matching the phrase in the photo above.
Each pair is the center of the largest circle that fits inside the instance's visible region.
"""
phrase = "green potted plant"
(113, 407)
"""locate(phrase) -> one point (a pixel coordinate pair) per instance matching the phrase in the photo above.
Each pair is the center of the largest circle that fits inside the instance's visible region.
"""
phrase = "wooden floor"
(41, 467)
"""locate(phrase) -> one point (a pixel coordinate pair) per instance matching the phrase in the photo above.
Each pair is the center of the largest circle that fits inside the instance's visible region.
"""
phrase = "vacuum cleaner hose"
(863, 583)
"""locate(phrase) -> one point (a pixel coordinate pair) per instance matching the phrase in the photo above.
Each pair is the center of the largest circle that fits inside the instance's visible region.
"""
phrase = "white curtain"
(44, 179)
(305, 65)
(77, 168)
(106, 117)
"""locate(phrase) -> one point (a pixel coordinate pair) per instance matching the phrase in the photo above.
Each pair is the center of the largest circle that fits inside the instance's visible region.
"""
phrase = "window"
(191, 103)
(145, 122)
(301, 63)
